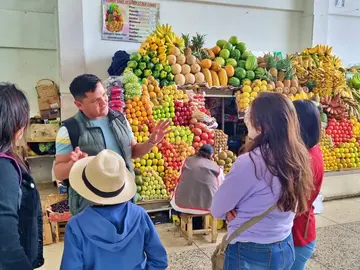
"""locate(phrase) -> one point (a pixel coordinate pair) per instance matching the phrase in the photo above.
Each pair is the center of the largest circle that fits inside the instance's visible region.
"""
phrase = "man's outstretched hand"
(77, 154)
(159, 131)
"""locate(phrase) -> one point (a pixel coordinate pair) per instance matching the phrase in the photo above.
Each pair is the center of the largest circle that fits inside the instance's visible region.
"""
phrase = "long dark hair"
(14, 115)
(310, 124)
(282, 149)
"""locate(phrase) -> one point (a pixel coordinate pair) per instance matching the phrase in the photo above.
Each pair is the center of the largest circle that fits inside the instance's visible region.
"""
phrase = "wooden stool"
(59, 230)
(186, 227)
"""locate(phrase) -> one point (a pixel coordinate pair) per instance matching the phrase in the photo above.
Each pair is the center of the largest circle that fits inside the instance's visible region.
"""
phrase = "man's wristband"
(149, 142)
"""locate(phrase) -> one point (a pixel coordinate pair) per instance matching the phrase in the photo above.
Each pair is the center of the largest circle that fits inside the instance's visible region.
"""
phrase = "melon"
(220, 61)
(250, 75)
(251, 63)
(176, 69)
(240, 73)
(171, 59)
(245, 55)
(185, 69)
(195, 68)
(179, 79)
(199, 77)
(181, 59)
(235, 54)
(241, 64)
(190, 78)
(234, 82)
(241, 47)
(190, 60)
(231, 62)
(175, 51)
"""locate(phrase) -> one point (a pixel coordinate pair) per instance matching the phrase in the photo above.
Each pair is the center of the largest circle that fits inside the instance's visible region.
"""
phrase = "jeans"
(252, 256)
(302, 255)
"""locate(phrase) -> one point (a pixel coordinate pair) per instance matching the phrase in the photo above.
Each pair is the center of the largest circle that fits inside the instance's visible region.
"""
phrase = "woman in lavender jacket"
(275, 170)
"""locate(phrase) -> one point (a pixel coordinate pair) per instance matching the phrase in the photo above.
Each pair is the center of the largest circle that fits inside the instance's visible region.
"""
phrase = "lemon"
(256, 89)
(264, 88)
(269, 87)
(246, 89)
(246, 101)
(247, 82)
(264, 83)
(245, 95)
(251, 99)
(254, 94)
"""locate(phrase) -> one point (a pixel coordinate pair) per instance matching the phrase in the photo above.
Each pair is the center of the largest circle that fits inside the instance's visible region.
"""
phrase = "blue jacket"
(113, 237)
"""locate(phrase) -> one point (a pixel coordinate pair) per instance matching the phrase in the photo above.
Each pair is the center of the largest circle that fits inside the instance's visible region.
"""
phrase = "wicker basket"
(48, 94)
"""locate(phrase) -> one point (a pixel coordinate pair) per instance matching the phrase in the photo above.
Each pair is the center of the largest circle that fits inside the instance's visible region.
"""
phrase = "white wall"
(28, 44)
(263, 26)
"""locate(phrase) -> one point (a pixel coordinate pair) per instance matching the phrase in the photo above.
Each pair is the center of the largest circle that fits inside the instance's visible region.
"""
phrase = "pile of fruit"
(150, 185)
(225, 159)
(153, 160)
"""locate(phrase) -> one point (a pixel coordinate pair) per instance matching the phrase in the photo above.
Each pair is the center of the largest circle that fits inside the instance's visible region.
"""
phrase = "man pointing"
(95, 128)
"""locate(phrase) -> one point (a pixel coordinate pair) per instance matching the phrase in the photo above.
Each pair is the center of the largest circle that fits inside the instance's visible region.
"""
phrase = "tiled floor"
(338, 242)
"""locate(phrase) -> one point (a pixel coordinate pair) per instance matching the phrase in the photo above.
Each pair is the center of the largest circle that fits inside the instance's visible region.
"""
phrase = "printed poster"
(127, 20)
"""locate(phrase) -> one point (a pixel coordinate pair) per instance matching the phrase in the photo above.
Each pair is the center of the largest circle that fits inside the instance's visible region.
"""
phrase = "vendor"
(199, 180)
(95, 128)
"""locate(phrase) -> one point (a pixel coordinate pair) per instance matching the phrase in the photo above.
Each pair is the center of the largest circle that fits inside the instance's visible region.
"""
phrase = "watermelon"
(228, 46)
(259, 72)
(234, 82)
(235, 54)
(250, 75)
(241, 47)
(251, 63)
(231, 62)
(241, 63)
(240, 73)
(245, 55)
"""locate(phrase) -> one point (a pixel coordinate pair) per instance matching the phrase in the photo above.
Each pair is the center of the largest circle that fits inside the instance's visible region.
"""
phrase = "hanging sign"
(127, 20)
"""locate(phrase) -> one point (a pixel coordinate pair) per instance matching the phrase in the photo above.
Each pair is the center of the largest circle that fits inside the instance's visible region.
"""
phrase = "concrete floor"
(338, 242)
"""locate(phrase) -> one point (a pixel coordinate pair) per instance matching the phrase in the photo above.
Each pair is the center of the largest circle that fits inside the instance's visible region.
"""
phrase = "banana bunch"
(166, 33)
(163, 30)
(319, 49)
(353, 103)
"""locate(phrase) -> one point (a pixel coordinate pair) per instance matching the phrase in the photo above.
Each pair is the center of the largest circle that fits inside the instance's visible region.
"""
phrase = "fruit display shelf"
(171, 75)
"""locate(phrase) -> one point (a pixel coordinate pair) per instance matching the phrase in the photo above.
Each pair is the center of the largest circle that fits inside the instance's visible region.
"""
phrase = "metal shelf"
(40, 157)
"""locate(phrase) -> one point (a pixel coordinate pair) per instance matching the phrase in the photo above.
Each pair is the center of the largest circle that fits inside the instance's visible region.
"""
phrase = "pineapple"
(197, 44)
(186, 38)
(271, 64)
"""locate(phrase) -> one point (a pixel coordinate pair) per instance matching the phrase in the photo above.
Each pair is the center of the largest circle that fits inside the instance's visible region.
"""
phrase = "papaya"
(230, 71)
(216, 50)
(223, 77)
(206, 63)
(211, 53)
(208, 77)
(215, 78)
(215, 66)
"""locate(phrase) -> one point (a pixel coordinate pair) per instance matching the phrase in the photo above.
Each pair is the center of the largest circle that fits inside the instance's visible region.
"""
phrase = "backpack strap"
(74, 131)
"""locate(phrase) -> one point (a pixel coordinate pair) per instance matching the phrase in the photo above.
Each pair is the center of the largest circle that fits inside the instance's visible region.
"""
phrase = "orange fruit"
(136, 98)
(147, 106)
(137, 108)
(138, 113)
(160, 95)
(127, 111)
(144, 87)
(139, 103)
(132, 110)
(150, 117)
(155, 83)
(152, 95)
(151, 88)
(133, 116)
(129, 106)
(133, 104)
(141, 119)
(157, 89)
(128, 116)
(151, 79)
(143, 114)
(149, 112)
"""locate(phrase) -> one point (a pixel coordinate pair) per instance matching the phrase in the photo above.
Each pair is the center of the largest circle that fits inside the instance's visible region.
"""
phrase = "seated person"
(199, 180)
(113, 233)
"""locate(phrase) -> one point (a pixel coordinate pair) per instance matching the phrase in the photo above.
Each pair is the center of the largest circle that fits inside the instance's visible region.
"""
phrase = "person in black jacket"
(20, 207)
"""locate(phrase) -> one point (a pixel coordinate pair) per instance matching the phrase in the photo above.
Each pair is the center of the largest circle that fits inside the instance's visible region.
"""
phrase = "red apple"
(197, 131)
(204, 136)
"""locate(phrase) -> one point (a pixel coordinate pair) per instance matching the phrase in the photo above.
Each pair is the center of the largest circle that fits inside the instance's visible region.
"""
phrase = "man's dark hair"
(83, 84)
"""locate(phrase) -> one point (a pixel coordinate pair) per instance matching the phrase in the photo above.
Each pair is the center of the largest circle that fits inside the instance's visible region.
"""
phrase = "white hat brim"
(79, 186)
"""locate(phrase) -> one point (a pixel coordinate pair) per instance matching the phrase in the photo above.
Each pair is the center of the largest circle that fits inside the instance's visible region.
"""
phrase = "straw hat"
(103, 179)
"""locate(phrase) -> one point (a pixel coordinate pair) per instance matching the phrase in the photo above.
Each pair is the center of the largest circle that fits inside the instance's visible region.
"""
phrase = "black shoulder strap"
(74, 131)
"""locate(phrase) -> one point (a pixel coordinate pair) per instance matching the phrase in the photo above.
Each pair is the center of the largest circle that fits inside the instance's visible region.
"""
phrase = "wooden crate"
(47, 234)
(58, 229)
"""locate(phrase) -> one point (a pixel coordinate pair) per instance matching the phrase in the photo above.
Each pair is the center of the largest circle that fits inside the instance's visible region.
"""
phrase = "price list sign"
(126, 20)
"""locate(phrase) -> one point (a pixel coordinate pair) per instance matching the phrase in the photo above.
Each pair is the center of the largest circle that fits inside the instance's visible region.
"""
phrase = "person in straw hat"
(113, 233)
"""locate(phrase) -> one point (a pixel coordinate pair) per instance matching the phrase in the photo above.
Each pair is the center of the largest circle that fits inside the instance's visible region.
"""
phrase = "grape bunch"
(60, 207)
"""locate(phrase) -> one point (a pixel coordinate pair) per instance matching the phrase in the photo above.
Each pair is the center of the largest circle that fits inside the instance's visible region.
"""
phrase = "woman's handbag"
(218, 257)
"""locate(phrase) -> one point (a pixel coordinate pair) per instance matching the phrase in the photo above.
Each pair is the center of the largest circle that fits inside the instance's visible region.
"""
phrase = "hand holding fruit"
(159, 132)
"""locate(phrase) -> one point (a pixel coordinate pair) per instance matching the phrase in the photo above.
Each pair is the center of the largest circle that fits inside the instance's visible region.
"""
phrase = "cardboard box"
(50, 114)
(48, 95)
(47, 234)
(42, 132)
